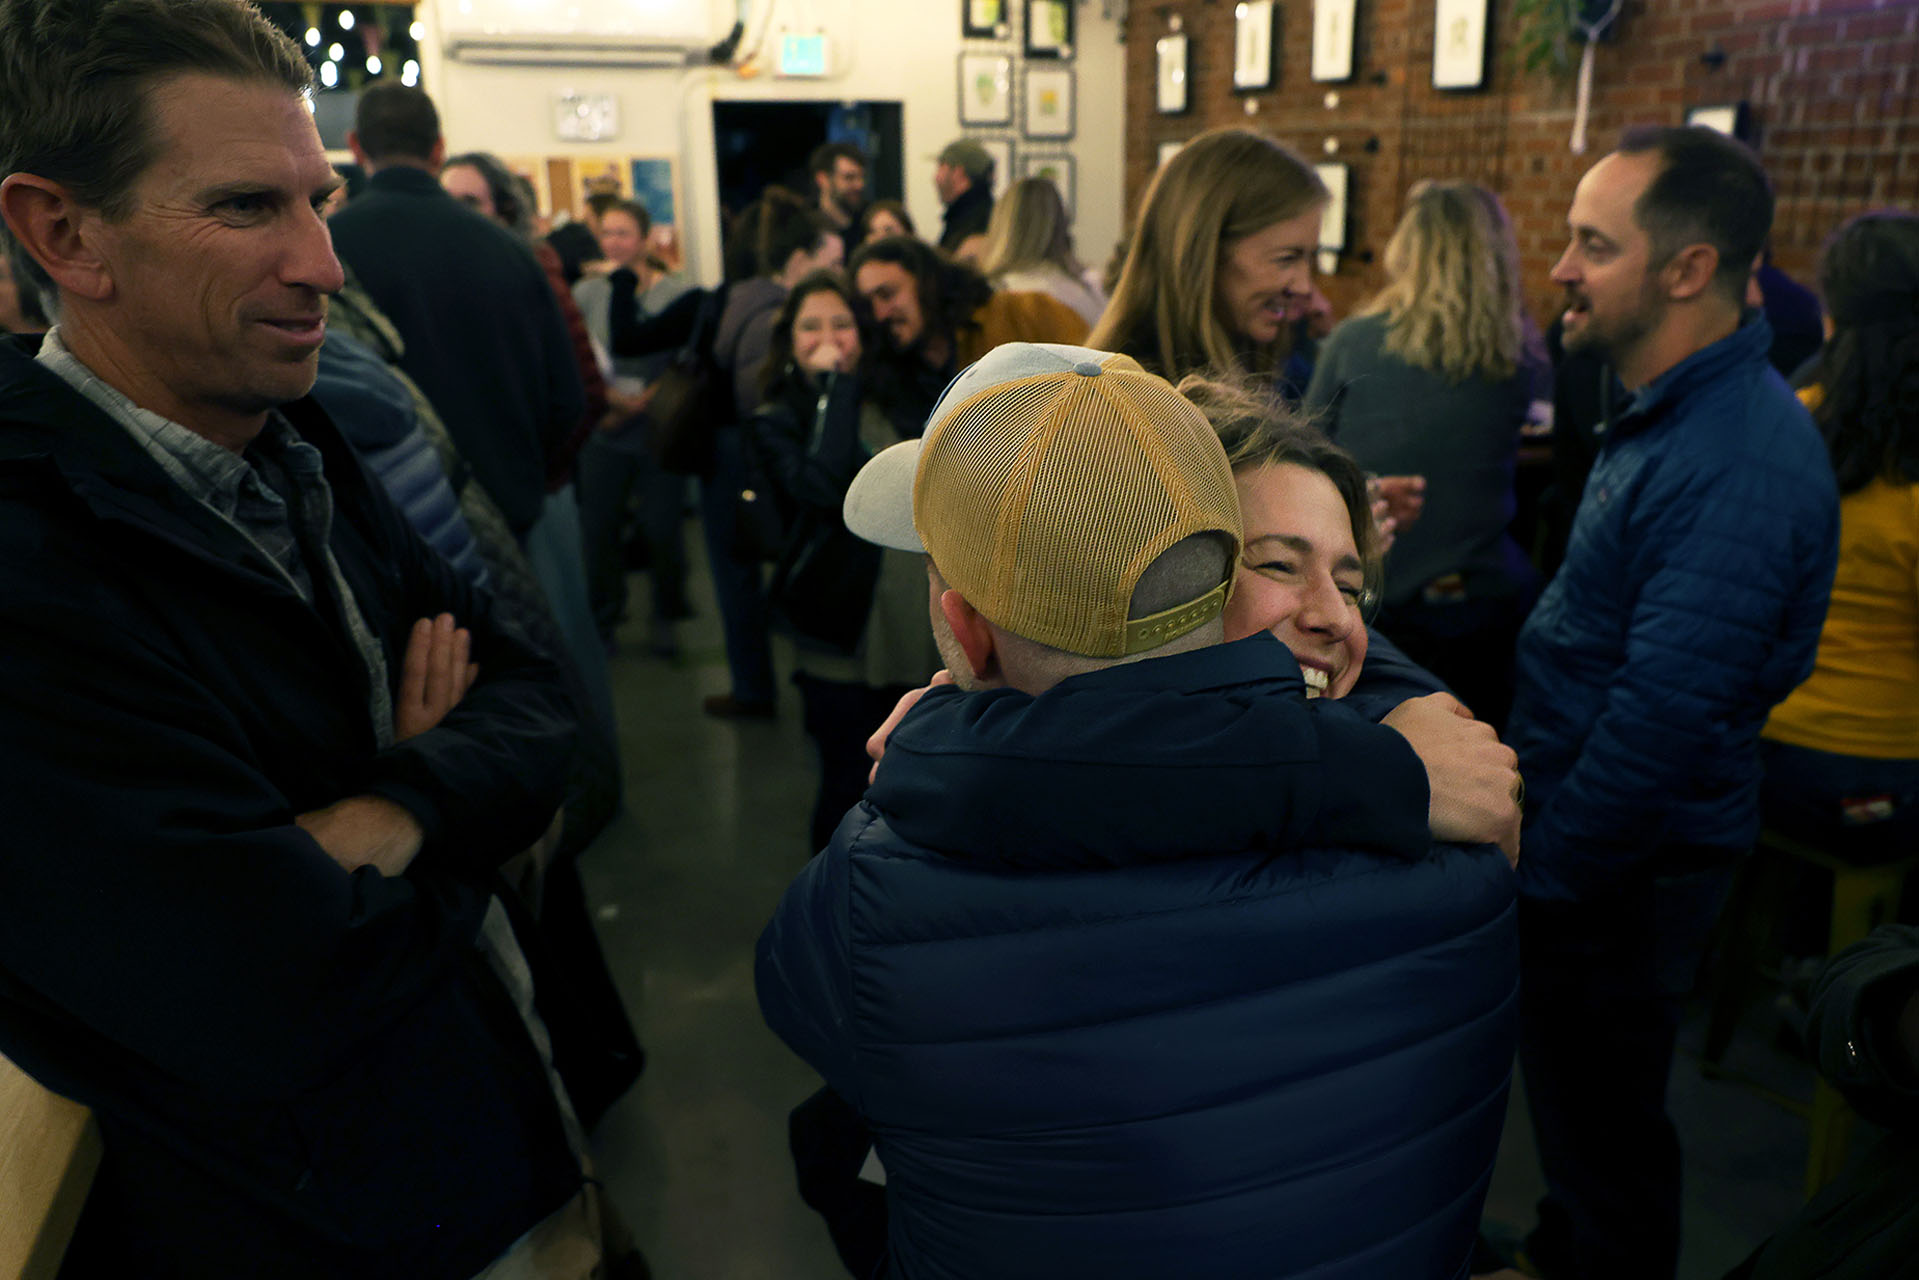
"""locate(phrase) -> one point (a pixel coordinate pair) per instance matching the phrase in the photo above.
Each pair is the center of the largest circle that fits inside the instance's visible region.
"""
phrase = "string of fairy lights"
(353, 45)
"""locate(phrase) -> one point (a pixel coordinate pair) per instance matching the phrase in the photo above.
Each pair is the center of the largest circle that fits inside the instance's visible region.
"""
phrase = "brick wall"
(1832, 85)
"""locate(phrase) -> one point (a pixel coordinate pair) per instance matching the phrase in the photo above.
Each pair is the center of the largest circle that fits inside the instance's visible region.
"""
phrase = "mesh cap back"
(1050, 477)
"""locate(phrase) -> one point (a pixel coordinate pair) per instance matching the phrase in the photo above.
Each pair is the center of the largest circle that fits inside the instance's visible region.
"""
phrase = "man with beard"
(963, 176)
(839, 175)
(936, 317)
(1690, 601)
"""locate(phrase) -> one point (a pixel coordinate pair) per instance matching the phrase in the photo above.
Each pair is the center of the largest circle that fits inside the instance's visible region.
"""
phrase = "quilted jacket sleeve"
(1388, 679)
(1723, 622)
(802, 972)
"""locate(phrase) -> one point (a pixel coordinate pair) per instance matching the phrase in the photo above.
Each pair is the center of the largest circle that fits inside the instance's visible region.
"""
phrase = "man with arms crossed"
(1135, 962)
(1690, 601)
(256, 793)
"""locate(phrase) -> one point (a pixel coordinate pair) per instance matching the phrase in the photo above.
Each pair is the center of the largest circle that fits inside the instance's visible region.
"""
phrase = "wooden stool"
(49, 1149)
(1863, 898)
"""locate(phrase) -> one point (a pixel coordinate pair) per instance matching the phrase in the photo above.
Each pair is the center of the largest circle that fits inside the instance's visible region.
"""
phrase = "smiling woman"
(1309, 567)
(1220, 261)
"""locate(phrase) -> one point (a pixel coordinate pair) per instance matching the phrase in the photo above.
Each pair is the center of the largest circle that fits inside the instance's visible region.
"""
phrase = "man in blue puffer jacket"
(1136, 963)
(1690, 601)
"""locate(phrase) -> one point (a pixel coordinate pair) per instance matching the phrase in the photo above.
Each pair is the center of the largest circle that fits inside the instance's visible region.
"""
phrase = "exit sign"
(803, 55)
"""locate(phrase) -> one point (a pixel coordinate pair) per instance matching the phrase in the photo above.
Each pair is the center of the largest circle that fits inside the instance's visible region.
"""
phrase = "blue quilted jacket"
(1155, 975)
(375, 413)
(1690, 602)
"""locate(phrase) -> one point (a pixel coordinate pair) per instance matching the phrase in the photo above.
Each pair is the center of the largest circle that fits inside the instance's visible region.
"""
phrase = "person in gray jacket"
(1433, 378)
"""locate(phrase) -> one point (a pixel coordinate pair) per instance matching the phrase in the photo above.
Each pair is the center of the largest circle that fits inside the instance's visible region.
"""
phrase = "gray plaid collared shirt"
(259, 492)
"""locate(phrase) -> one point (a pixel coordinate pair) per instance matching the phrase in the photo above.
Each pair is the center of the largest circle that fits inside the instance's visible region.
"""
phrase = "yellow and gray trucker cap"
(1048, 479)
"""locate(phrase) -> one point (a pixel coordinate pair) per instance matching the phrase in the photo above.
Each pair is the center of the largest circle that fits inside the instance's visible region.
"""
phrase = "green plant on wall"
(1545, 32)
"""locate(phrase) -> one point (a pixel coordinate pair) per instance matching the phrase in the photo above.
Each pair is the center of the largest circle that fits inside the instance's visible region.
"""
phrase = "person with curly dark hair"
(936, 316)
(1842, 753)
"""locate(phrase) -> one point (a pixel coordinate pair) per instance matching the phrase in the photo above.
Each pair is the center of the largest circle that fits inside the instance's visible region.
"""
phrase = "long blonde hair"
(1029, 229)
(1223, 186)
(1452, 300)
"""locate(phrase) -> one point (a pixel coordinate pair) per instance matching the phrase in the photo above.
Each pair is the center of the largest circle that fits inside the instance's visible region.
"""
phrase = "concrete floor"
(696, 1155)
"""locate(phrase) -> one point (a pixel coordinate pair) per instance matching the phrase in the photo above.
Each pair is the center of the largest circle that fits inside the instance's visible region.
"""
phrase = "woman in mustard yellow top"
(1842, 753)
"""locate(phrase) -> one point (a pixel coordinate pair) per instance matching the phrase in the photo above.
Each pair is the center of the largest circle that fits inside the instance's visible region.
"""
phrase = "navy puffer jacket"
(375, 412)
(1158, 975)
(1690, 602)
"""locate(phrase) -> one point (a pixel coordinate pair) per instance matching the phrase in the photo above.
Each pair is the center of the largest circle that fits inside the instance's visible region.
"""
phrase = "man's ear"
(359, 152)
(53, 227)
(1690, 272)
(974, 633)
(437, 157)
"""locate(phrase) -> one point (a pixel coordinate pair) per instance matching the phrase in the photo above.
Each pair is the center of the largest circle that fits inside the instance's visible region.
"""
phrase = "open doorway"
(759, 144)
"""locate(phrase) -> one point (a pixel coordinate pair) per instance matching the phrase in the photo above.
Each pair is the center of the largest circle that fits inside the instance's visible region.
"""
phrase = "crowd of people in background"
(1218, 787)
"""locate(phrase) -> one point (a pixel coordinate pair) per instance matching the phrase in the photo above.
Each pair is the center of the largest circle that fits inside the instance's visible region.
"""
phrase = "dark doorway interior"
(762, 143)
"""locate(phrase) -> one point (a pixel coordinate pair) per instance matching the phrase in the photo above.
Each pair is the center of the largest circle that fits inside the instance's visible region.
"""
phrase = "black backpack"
(692, 396)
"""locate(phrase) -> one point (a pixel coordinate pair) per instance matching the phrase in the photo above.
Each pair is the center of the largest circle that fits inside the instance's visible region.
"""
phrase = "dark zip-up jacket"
(297, 1071)
(1690, 602)
(485, 338)
(1157, 974)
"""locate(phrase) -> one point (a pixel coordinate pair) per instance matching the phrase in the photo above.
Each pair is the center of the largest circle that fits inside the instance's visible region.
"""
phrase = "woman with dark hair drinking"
(856, 613)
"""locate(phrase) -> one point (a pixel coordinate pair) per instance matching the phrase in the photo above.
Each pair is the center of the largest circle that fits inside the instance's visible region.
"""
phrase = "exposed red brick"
(1828, 83)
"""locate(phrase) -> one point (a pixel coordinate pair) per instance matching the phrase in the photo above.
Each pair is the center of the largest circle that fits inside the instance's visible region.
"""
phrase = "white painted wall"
(889, 50)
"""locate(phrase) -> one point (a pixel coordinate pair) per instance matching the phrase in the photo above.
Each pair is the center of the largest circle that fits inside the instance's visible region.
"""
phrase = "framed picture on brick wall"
(1170, 96)
(1459, 44)
(1730, 118)
(1333, 38)
(1254, 30)
(1332, 218)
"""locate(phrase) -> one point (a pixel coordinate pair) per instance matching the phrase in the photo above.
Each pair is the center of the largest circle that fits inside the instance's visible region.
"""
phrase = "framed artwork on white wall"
(985, 89)
(1056, 168)
(1459, 44)
(1170, 93)
(1001, 149)
(1049, 29)
(1333, 39)
(1049, 102)
(983, 19)
(1253, 35)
